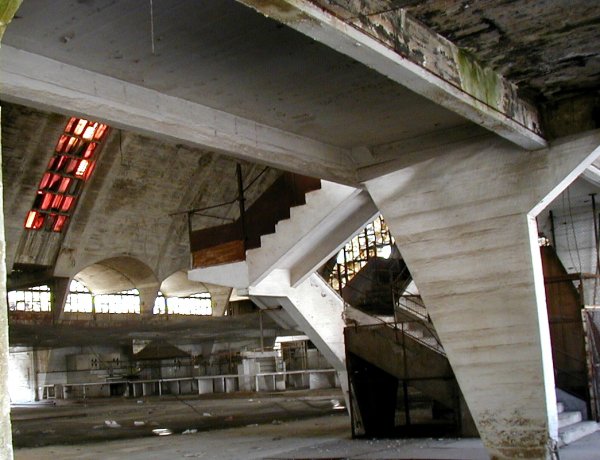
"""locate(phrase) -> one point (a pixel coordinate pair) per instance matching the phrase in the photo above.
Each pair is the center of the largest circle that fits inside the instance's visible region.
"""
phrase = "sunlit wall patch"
(71, 165)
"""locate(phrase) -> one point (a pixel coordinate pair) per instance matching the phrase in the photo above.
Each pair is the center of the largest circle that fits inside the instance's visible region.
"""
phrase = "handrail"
(421, 311)
(395, 326)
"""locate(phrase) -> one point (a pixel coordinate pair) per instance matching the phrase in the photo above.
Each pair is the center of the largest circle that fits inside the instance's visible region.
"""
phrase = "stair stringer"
(317, 310)
(313, 233)
(234, 275)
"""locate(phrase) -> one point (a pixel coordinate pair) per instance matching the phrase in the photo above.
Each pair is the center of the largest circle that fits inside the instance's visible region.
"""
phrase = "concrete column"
(8, 8)
(61, 287)
(464, 220)
(220, 298)
(148, 295)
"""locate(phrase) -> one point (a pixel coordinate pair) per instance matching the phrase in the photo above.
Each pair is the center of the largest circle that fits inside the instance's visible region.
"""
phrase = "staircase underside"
(393, 375)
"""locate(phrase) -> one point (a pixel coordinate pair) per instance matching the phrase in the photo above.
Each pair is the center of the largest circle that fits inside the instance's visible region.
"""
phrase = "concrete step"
(560, 407)
(572, 433)
(568, 418)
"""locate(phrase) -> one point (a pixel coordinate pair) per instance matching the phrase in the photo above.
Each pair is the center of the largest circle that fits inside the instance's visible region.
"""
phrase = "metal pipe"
(551, 215)
(241, 200)
(262, 337)
(195, 210)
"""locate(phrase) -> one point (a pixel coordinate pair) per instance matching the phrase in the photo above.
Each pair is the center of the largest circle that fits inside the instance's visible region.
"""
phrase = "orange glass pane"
(54, 182)
(80, 127)
(70, 144)
(46, 200)
(64, 185)
(67, 203)
(61, 144)
(100, 131)
(45, 180)
(59, 223)
(89, 170)
(82, 168)
(71, 166)
(88, 134)
(89, 151)
(56, 202)
(34, 220)
(57, 162)
(70, 125)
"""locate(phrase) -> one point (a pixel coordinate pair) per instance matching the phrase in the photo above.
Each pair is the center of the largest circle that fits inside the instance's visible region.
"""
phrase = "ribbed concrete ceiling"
(224, 55)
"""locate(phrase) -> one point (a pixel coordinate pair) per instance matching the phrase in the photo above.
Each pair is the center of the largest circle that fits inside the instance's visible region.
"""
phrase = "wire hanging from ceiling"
(152, 26)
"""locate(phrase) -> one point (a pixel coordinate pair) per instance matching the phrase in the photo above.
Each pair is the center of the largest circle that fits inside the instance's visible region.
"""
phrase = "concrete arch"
(121, 273)
(178, 284)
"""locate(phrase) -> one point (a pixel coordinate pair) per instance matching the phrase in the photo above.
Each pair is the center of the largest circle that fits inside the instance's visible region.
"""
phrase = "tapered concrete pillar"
(8, 8)
(464, 220)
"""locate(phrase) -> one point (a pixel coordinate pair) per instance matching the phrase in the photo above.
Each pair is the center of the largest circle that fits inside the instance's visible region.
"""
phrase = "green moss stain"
(481, 83)
(8, 8)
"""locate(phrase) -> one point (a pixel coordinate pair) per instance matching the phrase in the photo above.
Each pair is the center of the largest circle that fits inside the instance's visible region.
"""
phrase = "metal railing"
(205, 384)
(414, 305)
(418, 331)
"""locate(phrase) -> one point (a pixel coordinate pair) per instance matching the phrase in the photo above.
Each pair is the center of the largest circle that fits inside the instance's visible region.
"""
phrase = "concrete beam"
(398, 46)
(37, 81)
(464, 220)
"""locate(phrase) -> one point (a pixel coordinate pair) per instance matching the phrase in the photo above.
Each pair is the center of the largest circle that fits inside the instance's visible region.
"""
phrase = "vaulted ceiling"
(188, 86)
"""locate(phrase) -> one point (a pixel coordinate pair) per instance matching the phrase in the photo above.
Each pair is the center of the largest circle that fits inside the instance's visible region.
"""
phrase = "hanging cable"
(152, 25)
(573, 230)
(567, 232)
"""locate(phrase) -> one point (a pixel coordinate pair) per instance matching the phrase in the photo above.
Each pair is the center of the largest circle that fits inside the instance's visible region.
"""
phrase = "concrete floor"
(280, 426)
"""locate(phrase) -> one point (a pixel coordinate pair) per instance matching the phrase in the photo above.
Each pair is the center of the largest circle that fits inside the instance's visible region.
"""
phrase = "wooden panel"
(564, 305)
(268, 209)
(214, 236)
(232, 251)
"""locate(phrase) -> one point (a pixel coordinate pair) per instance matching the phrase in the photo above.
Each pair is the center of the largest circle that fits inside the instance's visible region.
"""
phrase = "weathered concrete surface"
(406, 51)
(464, 220)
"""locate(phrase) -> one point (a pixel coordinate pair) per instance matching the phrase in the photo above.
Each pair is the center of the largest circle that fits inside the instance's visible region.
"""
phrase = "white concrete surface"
(313, 233)
(464, 220)
(314, 306)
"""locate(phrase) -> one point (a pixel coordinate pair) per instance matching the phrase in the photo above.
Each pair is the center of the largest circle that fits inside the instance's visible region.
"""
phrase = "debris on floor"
(190, 431)
(112, 424)
(162, 431)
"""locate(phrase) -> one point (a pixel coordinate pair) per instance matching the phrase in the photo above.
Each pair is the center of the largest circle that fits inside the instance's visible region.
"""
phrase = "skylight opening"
(72, 164)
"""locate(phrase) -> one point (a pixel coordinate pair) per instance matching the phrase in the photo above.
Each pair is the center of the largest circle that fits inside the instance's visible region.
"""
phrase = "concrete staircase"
(300, 244)
(572, 427)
